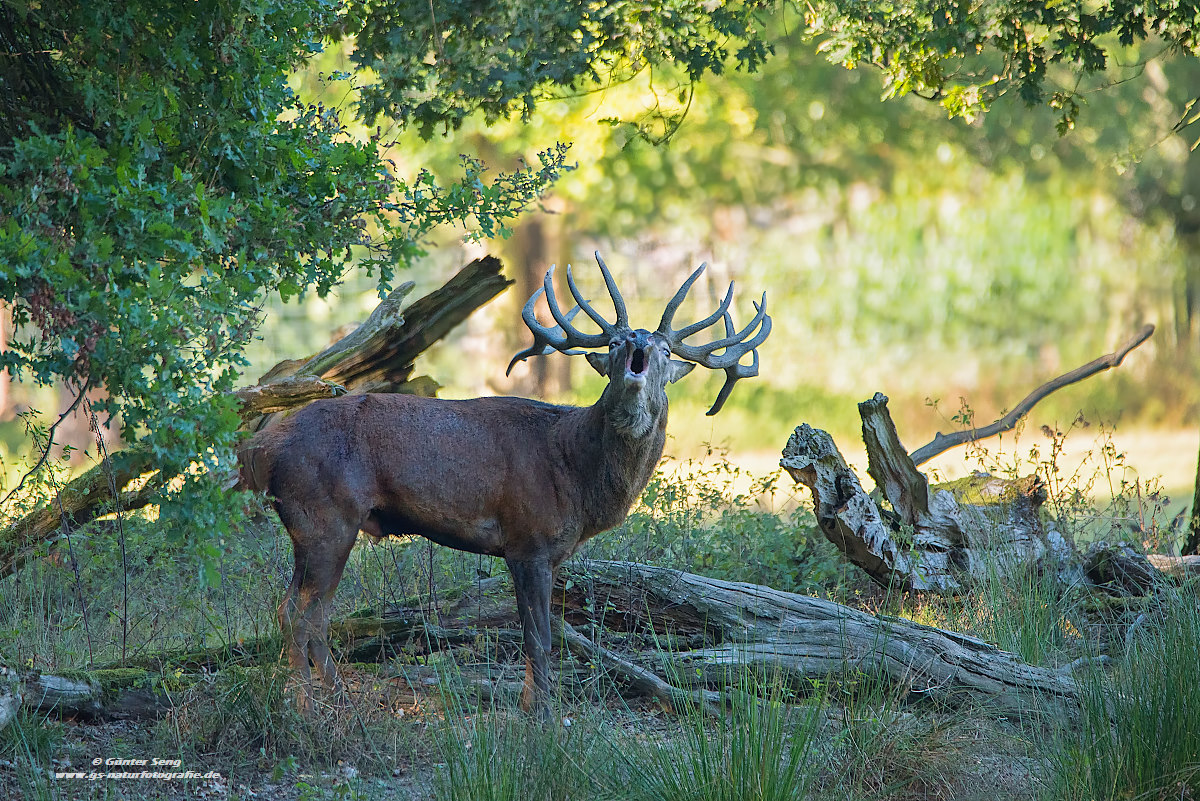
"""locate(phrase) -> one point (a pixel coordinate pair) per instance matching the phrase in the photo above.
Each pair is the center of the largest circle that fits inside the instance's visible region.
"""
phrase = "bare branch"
(944, 442)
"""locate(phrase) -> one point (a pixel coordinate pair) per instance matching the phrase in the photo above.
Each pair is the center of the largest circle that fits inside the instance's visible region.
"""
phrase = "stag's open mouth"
(635, 363)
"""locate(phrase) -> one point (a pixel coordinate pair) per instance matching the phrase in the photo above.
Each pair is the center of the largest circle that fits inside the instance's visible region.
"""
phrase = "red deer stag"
(510, 477)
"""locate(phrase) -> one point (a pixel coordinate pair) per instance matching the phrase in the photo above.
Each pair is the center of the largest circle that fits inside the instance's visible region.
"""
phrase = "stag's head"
(638, 362)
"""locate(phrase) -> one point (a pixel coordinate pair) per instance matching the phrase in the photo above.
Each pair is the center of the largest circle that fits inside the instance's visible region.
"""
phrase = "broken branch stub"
(845, 513)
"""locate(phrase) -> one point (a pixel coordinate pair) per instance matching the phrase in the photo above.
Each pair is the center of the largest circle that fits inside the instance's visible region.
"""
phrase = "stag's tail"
(256, 458)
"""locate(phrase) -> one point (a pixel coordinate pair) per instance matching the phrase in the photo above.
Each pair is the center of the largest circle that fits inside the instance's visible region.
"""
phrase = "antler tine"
(613, 292)
(605, 326)
(700, 325)
(735, 372)
(735, 347)
(573, 337)
(545, 340)
(664, 325)
(677, 337)
(732, 376)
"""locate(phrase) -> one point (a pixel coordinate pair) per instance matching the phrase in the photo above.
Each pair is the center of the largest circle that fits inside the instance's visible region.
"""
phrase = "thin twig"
(49, 442)
(944, 442)
(66, 528)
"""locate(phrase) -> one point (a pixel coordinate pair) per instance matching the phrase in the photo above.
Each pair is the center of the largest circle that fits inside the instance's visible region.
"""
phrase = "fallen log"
(378, 356)
(752, 627)
(98, 695)
(683, 639)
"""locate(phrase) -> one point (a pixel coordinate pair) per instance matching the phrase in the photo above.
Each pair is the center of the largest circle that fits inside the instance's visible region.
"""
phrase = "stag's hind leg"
(304, 611)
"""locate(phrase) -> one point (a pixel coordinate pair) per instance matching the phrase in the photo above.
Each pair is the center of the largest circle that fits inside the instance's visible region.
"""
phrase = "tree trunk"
(378, 356)
(535, 242)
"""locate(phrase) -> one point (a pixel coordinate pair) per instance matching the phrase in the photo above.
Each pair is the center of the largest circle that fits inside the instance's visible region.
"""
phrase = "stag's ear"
(678, 370)
(598, 361)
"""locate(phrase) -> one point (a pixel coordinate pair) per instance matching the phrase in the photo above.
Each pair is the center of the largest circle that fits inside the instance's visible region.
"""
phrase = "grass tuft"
(760, 750)
(1139, 730)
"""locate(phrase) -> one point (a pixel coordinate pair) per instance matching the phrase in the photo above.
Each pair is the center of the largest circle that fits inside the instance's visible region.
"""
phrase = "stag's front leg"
(533, 579)
(304, 613)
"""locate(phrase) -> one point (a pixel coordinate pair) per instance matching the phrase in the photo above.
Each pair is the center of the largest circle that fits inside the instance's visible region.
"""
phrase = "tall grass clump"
(761, 749)
(1026, 611)
(713, 518)
(28, 744)
(1139, 730)
(504, 755)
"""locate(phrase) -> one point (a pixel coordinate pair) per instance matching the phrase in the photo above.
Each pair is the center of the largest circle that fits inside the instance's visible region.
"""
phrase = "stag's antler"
(735, 343)
(564, 337)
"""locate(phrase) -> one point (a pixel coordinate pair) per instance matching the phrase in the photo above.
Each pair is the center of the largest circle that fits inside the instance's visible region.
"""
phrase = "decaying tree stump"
(377, 356)
(911, 535)
(925, 538)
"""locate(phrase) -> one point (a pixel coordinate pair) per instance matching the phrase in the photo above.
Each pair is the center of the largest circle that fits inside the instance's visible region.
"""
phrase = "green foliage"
(139, 231)
(436, 66)
(1137, 734)
(966, 56)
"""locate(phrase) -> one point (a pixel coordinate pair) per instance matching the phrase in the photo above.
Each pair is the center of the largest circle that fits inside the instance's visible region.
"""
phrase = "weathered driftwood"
(925, 538)
(377, 356)
(122, 694)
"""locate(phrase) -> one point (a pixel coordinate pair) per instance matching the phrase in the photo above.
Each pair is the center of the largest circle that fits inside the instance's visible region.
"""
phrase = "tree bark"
(378, 356)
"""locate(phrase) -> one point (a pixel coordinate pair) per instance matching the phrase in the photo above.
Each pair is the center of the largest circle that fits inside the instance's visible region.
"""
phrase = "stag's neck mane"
(617, 446)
